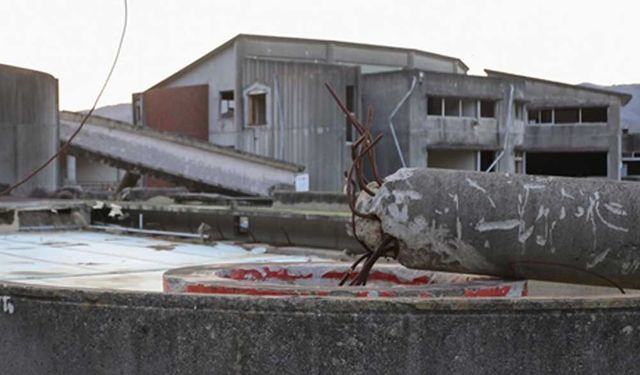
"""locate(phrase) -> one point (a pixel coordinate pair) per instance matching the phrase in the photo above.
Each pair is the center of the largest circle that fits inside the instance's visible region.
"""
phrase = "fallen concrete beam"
(547, 228)
(178, 159)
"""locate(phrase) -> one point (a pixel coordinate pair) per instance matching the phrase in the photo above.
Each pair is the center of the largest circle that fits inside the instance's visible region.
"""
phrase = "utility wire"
(85, 118)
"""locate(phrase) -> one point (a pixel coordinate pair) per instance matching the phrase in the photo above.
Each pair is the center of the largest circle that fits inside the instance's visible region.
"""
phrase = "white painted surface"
(102, 260)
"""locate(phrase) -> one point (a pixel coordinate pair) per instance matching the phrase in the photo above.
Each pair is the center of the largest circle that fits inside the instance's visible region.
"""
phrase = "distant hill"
(630, 112)
(120, 112)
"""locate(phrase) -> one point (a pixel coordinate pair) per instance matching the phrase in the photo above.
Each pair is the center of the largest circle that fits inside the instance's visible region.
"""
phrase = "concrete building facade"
(266, 96)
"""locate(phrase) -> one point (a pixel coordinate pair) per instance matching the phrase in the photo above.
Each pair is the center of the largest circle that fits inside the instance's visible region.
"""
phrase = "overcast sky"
(74, 40)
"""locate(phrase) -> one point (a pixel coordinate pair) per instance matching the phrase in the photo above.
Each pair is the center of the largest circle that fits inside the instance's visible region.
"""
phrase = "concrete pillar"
(614, 157)
(506, 121)
(71, 169)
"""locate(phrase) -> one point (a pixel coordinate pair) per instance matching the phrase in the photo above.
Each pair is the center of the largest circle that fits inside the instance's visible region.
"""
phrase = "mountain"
(630, 112)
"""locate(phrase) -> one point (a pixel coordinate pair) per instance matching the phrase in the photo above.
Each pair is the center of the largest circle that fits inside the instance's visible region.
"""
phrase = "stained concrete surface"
(103, 260)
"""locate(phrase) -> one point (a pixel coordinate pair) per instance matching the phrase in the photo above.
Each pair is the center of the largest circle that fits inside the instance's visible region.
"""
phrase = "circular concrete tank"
(72, 331)
(28, 127)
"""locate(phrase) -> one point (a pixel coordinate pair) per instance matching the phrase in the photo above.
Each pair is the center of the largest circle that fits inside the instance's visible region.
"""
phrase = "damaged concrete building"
(266, 95)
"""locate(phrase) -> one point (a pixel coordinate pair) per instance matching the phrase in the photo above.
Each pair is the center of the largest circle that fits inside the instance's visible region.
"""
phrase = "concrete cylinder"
(28, 127)
(549, 228)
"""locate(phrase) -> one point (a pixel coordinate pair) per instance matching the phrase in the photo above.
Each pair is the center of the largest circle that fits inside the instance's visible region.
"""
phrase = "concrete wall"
(420, 132)
(304, 124)
(322, 51)
(28, 127)
(57, 331)
(219, 72)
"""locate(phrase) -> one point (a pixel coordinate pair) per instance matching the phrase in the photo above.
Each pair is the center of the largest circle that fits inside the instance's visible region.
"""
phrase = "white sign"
(302, 182)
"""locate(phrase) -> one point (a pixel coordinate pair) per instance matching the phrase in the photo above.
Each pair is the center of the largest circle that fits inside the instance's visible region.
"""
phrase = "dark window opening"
(257, 109)
(452, 107)
(567, 115)
(633, 168)
(572, 164)
(434, 106)
(227, 104)
(351, 107)
(546, 116)
(488, 108)
(594, 114)
(486, 159)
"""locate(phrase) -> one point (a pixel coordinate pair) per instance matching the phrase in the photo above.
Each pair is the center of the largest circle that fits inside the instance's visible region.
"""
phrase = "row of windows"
(567, 115)
(436, 106)
(457, 107)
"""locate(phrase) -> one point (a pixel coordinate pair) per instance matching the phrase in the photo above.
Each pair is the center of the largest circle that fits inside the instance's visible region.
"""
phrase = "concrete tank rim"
(22, 70)
(346, 305)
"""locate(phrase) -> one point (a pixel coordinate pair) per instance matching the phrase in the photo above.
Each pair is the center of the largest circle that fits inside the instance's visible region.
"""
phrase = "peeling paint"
(497, 225)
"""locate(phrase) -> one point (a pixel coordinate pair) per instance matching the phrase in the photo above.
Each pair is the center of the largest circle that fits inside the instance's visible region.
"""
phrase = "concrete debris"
(517, 226)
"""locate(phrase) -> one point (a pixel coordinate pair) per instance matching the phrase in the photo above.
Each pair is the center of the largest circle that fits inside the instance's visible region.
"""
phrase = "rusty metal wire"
(362, 152)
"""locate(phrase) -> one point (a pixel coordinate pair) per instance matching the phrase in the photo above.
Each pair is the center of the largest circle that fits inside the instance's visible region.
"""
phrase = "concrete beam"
(176, 158)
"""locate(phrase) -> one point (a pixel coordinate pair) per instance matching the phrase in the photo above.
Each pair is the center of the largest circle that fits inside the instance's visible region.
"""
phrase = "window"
(518, 112)
(227, 104)
(594, 114)
(434, 106)
(469, 108)
(452, 107)
(257, 110)
(545, 116)
(488, 108)
(567, 115)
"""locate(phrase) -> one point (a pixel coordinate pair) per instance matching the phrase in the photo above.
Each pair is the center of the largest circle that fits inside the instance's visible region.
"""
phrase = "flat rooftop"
(84, 259)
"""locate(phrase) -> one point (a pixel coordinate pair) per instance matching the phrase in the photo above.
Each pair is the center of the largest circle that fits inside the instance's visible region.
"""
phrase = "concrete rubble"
(515, 226)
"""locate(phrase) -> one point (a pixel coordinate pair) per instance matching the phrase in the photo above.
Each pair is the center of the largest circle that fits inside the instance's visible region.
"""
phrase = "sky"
(75, 40)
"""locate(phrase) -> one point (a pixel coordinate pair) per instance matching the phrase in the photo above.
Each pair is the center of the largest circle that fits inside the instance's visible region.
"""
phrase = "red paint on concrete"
(497, 291)
(199, 288)
(255, 275)
(379, 276)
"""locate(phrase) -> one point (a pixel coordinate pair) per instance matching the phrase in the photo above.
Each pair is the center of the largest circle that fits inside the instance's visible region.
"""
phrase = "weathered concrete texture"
(52, 331)
(548, 228)
(177, 159)
(28, 127)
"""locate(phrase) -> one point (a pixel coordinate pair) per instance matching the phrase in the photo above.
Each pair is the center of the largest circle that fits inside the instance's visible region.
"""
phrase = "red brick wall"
(181, 110)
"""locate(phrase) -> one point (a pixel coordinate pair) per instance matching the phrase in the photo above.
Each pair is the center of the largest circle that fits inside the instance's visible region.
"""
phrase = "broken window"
(518, 160)
(227, 104)
(434, 106)
(594, 114)
(486, 159)
(257, 110)
(488, 108)
(452, 107)
(469, 108)
(567, 115)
